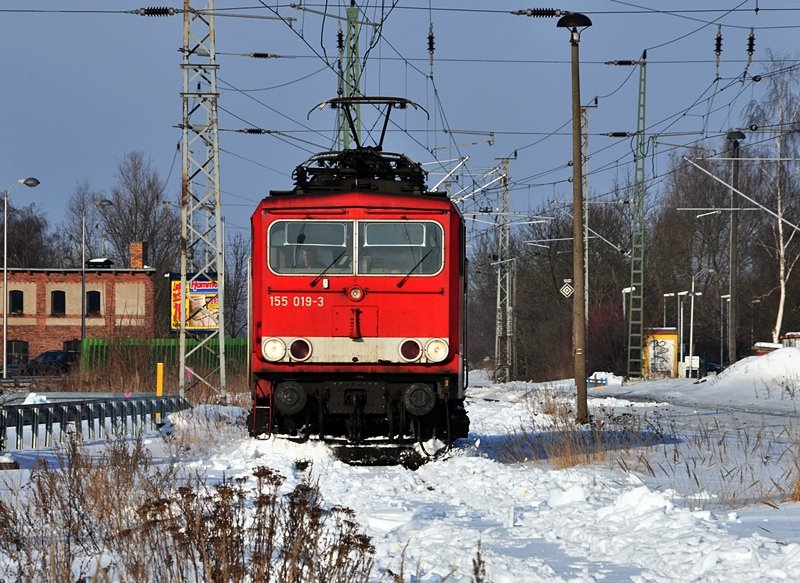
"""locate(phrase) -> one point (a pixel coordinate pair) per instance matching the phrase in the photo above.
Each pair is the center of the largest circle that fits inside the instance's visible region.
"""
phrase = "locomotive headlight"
(410, 350)
(437, 350)
(300, 349)
(273, 349)
(355, 293)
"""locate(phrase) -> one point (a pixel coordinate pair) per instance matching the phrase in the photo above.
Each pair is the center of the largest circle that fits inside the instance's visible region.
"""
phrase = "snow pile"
(534, 524)
(771, 380)
(34, 399)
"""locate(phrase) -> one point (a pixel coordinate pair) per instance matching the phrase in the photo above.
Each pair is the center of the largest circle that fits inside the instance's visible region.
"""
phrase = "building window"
(93, 303)
(58, 303)
(17, 352)
(15, 299)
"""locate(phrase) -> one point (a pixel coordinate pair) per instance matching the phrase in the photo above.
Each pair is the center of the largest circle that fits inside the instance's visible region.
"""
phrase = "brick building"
(44, 305)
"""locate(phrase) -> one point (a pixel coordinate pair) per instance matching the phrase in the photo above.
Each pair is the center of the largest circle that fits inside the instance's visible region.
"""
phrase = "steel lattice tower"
(202, 243)
(636, 322)
(503, 348)
(350, 76)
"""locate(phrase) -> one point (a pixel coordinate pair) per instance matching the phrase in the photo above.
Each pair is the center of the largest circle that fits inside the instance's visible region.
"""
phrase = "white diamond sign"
(566, 290)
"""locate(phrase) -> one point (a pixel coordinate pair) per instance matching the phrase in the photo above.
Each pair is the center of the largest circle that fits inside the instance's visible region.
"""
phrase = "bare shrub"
(119, 517)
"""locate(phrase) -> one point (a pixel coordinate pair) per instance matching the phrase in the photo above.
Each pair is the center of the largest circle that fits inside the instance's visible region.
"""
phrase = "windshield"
(400, 247)
(298, 247)
(308, 247)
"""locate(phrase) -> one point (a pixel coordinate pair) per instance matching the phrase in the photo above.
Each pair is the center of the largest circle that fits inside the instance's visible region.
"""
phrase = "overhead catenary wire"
(604, 167)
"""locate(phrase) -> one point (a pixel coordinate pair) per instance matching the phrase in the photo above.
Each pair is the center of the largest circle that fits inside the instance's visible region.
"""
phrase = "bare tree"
(30, 243)
(236, 267)
(542, 333)
(481, 301)
(139, 212)
(84, 226)
(776, 115)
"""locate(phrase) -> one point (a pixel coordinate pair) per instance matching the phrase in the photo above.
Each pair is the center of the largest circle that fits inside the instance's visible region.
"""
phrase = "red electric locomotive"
(358, 301)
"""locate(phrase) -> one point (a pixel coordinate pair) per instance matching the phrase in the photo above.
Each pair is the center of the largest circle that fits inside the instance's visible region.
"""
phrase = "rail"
(103, 416)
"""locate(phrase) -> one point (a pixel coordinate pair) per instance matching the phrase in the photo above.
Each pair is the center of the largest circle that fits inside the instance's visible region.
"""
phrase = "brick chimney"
(138, 250)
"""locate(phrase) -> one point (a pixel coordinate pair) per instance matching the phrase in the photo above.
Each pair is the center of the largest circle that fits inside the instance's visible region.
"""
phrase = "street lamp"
(722, 300)
(100, 204)
(573, 21)
(625, 290)
(30, 183)
(681, 296)
(691, 318)
(669, 295)
(734, 138)
(752, 301)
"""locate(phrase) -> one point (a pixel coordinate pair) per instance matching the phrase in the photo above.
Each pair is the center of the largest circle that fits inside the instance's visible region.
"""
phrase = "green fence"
(98, 352)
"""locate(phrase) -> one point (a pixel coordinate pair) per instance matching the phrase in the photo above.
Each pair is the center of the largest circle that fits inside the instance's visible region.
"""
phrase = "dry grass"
(553, 436)
(716, 466)
(793, 494)
(707, 464)
(118, 517)
(129, 371)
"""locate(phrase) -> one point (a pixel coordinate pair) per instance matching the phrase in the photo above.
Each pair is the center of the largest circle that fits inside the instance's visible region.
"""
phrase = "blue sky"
(85, 84)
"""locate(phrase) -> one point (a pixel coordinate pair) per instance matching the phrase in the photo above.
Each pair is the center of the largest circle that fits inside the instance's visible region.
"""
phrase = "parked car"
(713, 367)
(50, 363)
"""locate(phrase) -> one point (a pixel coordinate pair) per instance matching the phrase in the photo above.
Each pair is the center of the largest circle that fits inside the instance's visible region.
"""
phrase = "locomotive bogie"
(359, 409)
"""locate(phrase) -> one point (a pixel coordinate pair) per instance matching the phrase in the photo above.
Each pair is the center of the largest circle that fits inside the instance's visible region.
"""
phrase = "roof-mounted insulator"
(157, 11)
(539, 12)
(751, 45)
(431, 43)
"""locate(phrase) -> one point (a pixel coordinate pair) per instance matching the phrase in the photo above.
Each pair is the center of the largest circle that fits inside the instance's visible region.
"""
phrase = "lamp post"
(691, 318)
(30, 183)
(681, 296)
(669, 295)
(99, 204)
(573, 21)
(734, 138)
(722, 300)
(752, 301)
(625, 291)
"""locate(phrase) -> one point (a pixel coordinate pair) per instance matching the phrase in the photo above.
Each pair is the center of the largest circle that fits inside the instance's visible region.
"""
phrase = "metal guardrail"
(141, 410)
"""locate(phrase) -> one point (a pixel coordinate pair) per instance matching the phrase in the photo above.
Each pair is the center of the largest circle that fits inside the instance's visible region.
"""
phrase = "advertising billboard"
(202, 305)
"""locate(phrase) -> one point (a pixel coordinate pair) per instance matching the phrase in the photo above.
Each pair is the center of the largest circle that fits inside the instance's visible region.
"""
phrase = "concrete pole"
(733, 321)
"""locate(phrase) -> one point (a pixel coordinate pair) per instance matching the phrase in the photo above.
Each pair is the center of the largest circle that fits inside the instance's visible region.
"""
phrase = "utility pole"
(202, 244)
(734, 138)
(572, 21)
(504, 315)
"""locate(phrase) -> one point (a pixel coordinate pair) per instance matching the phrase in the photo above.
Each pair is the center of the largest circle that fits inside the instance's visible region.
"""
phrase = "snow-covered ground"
(700, 503)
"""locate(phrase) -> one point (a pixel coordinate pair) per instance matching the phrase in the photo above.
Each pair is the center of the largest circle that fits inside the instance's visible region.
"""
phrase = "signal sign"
(567, 290)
